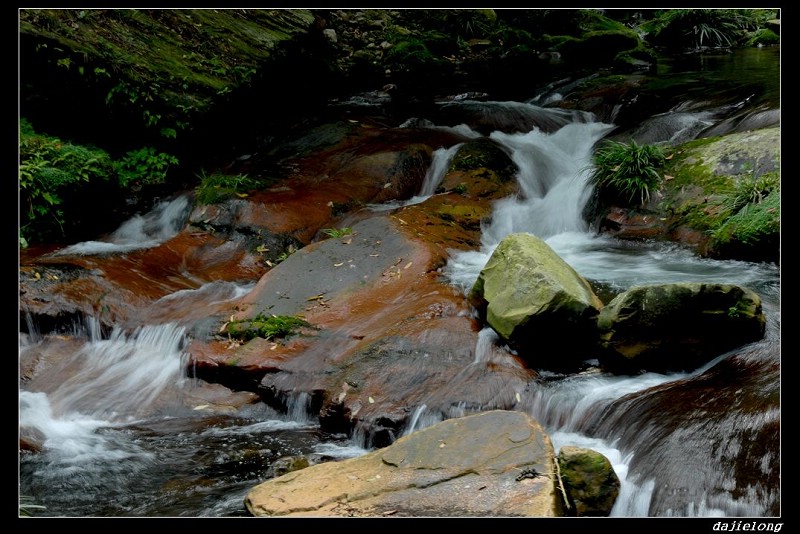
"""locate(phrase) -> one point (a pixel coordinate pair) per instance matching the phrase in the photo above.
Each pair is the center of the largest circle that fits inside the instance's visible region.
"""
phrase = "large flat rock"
(496, 463)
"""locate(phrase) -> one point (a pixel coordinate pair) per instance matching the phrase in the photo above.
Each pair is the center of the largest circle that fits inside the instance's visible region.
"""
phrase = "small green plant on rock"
(627, 172)
(752, 190)
(217, 187)
(291, 249)
(265, 326)
(337, 232)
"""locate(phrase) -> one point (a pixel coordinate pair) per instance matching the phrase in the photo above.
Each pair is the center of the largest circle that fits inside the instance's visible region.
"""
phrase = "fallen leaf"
(518, 397)
(407, 265)
(668, 177)
(201, 407)
(224, 327)
(374, 255)
(371, 400)
(338, 264)
(390, 512)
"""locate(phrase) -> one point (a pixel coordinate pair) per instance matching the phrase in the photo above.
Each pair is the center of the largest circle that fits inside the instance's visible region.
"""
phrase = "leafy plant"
(625, 172)
(48, 168)
(694, 28)
(144, 166)
(337, 232)
(266, 326)
(217, 187)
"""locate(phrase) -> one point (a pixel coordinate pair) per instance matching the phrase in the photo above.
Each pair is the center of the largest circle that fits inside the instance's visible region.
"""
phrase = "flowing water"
(119, 439)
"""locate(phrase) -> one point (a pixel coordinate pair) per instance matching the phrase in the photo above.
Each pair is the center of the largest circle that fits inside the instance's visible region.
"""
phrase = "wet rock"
(677, 327)
(497, 463)
(531, 297)
(589, 481)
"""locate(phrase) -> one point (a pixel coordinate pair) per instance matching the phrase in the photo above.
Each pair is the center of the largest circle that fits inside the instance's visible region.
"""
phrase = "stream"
(118, 440)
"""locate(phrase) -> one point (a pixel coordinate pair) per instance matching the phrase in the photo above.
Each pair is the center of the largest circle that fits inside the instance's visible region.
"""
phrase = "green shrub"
(627, 172)
(49, 169)
(144, 166)
(694, 28)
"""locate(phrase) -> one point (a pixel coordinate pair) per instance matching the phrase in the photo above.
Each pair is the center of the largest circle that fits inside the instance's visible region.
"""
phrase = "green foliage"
(411, 52)
(461, 189)
(763, 37)
(48, 167)
(337, 232)
(755, 209)
(51, 171)
(694, 28)
(752, 190)
(625, 172)
(266, 326)
(144, 166)
(217, 187)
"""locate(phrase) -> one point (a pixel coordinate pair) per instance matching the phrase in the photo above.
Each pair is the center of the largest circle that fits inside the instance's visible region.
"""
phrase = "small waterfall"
(487, 338)
(297, 407)
(116, 379)
(412, 424)
(433, 177)
(567, 405)
(553, 173)
(163, 222)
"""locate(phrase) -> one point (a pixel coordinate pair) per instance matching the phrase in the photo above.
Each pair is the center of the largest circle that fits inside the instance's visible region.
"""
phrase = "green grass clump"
(265, 326)
(627, 172)
(337, 232)
(217, 187)
(755, 209)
